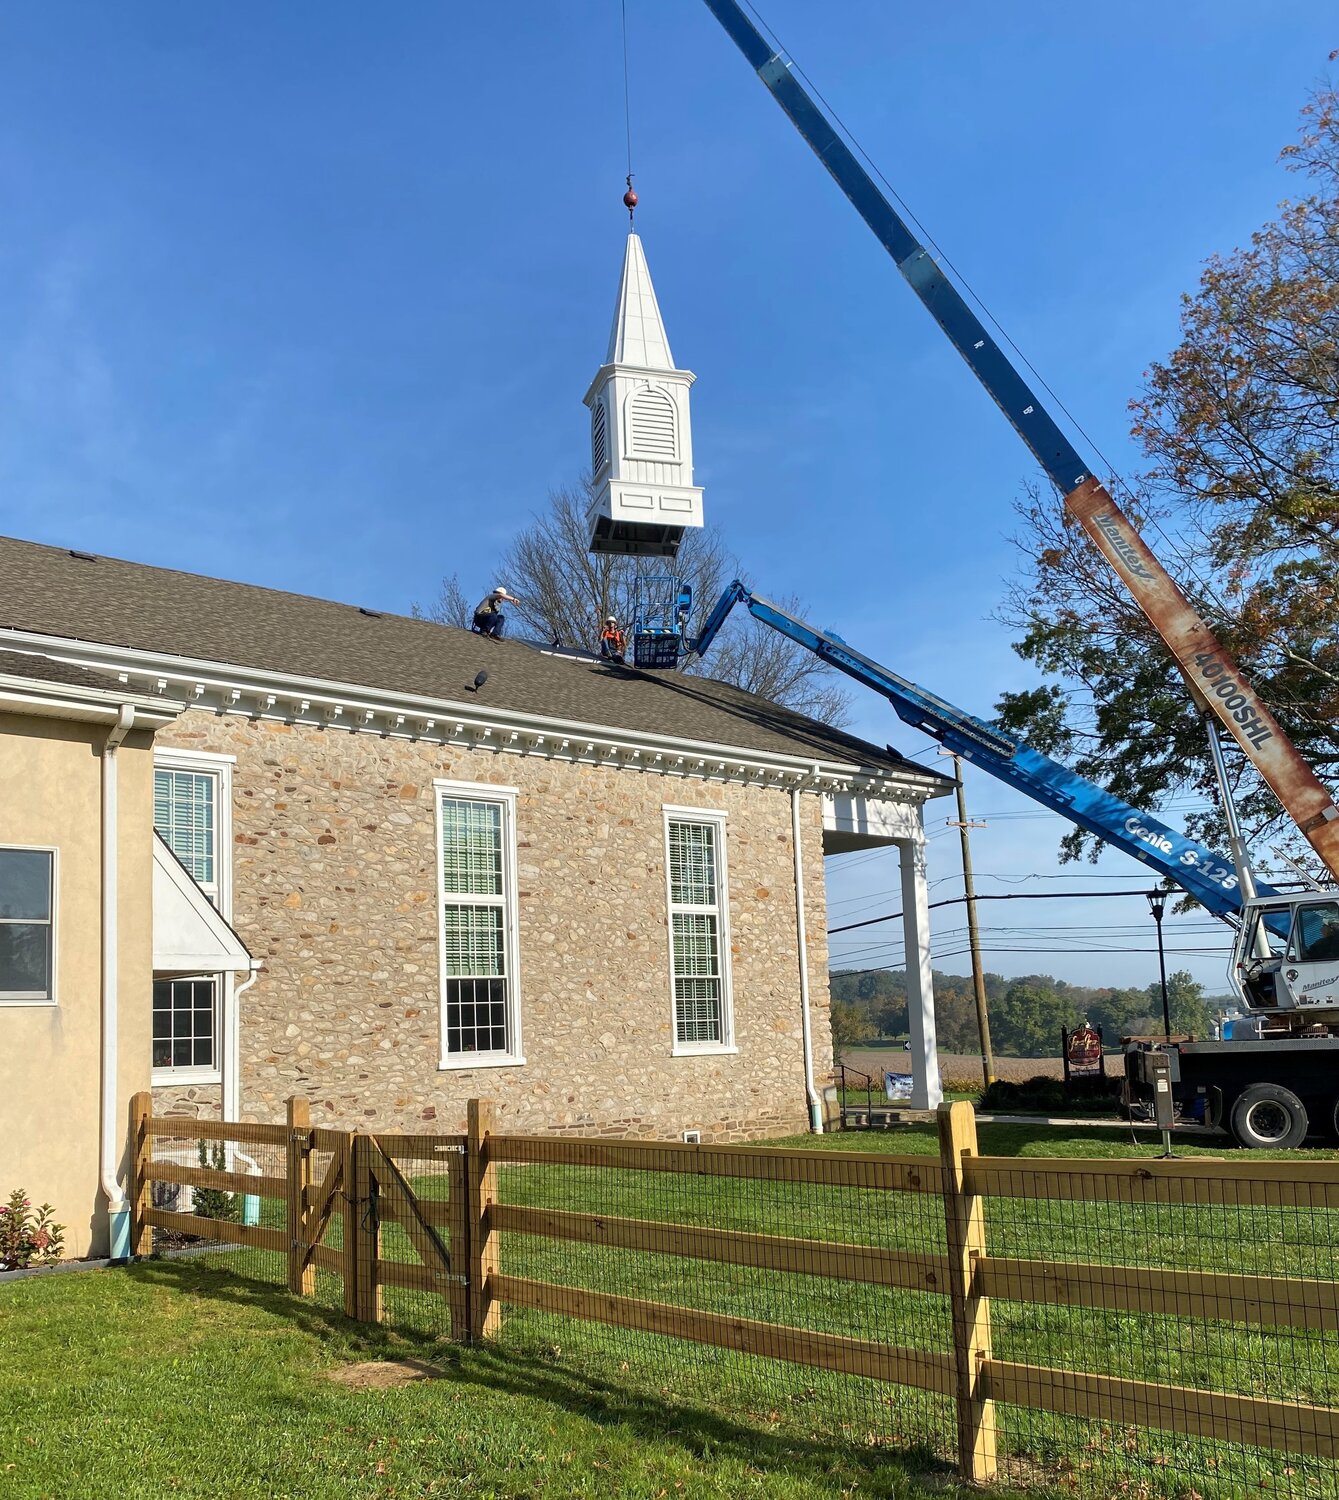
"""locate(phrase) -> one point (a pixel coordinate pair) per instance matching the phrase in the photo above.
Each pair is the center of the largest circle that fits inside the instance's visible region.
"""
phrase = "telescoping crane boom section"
(1209, 878)
(1214, 678)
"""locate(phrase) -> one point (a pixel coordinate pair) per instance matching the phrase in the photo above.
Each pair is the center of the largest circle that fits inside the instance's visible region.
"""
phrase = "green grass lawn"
(173, 1379)
(181, 1377)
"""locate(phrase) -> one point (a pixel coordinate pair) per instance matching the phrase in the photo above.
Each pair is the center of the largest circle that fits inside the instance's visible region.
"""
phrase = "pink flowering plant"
(28, 1238)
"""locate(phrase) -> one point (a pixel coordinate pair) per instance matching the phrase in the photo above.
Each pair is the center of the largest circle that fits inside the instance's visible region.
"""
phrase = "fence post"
(964, 1218)
(300, 1280)
(485, 1261)
(351, 1217)
(458, 1242)
(141, 1148)
(367, 1232)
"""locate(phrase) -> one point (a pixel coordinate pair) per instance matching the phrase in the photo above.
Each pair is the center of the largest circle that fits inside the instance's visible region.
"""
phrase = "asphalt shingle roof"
(43, 669)
(54, 591)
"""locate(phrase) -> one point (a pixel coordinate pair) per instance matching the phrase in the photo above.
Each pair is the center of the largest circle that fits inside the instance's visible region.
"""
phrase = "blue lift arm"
(1208, 877)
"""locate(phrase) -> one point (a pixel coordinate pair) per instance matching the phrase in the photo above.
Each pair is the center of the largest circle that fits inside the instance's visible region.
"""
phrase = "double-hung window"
(699, 929)
(476, 846)
(27, 926)
(192, 796)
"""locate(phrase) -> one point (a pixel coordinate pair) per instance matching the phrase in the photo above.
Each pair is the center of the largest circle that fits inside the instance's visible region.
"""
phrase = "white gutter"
(112, 1133)
(806, 1030)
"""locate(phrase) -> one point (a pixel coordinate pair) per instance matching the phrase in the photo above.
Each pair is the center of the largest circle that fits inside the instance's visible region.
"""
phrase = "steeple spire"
(641, 437)
(638, 334)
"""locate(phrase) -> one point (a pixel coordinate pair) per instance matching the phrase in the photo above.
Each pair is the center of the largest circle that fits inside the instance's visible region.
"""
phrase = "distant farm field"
(953, 1066)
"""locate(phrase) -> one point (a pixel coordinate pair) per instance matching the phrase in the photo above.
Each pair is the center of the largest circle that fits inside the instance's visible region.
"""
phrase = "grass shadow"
(828, 1464)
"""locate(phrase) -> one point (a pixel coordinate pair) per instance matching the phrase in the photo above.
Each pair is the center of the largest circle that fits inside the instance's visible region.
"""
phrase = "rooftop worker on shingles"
(488, 617)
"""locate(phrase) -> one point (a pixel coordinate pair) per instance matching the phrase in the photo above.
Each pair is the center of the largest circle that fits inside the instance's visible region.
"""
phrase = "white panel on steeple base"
(647, 520)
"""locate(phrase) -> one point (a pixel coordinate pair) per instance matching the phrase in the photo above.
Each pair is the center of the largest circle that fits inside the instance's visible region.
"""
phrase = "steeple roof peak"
(638, 336)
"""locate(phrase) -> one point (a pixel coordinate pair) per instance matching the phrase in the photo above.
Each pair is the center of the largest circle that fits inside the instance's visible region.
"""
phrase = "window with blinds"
(698, 943)
(477, 926)
(185, 813)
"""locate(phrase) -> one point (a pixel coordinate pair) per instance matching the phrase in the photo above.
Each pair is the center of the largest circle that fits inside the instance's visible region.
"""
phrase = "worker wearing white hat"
(488, 617)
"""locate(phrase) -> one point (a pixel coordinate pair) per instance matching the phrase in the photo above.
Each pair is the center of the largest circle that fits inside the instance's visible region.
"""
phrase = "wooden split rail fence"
(369, 1180)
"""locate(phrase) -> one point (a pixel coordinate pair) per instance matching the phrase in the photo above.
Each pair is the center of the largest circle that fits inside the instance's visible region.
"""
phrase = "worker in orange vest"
(613, 643)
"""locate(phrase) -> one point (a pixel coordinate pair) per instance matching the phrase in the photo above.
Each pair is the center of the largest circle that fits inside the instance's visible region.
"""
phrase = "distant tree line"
(1026, 1013)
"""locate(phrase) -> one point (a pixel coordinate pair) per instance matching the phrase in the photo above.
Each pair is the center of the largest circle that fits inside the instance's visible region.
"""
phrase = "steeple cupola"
(640, 435)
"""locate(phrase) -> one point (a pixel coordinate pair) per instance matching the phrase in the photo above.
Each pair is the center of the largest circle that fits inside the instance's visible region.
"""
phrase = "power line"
(992, 896)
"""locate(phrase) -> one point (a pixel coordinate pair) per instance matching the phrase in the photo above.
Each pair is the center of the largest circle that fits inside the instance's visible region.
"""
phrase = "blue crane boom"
(1208, 877)
(1216, 682)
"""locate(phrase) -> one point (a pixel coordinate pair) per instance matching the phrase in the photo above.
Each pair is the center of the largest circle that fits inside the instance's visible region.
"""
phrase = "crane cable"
(629, 198)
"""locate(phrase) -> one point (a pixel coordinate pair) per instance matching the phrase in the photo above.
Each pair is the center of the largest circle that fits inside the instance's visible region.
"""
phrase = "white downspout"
(806, 1031)
(232, 1088)
(112, 1131)
(232, 1051)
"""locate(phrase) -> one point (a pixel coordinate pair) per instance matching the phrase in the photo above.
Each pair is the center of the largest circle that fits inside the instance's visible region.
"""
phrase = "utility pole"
(963, 825)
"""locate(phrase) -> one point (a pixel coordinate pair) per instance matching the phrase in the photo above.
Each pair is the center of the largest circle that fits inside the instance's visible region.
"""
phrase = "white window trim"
(52, 1000)
(221, 765)
(458, 1062)
(726, 1046)
(169, 758)
(166, 1077)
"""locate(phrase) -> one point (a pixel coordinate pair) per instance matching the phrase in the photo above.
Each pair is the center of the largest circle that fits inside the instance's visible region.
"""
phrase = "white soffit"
(189, 936)
(852, 821)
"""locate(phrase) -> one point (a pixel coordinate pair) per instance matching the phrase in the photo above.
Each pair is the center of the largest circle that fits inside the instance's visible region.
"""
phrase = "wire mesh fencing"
(799, 1291)
(1138, 1328)
(1172, 1335)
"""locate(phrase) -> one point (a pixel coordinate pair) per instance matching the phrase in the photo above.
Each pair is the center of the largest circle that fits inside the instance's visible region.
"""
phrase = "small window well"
(692, 1137)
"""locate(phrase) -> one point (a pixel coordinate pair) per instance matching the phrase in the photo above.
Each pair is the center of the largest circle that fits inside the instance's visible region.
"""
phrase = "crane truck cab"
(1285, 961)
(1272, 1078)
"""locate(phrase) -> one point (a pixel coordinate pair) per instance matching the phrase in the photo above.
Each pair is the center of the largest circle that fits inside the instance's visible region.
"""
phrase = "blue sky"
(308, 296)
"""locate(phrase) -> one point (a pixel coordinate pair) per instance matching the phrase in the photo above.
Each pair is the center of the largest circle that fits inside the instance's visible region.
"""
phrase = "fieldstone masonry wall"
(335, 890)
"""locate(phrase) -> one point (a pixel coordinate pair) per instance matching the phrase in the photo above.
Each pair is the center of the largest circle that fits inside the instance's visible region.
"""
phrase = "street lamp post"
(1157, 904)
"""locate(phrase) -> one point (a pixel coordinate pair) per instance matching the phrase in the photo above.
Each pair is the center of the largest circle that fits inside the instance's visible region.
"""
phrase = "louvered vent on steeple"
(599, 440)
(652, 413)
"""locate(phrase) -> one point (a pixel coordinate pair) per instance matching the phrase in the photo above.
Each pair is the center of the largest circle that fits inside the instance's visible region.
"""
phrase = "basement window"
(476, 843)
(27, 926)
(699, 922)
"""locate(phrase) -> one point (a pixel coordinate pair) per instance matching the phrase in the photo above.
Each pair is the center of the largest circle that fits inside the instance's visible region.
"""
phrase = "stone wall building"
(465, 866)
(573, 888)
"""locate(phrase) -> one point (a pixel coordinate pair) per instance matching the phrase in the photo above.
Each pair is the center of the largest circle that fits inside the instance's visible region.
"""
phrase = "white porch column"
(926, 1091)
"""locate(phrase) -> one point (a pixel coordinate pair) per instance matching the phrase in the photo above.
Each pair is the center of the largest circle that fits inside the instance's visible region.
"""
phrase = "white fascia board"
(353, 707)
(63, 700)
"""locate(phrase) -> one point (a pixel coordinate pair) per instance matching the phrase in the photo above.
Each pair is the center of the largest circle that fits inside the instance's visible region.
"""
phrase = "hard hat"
(610, 620)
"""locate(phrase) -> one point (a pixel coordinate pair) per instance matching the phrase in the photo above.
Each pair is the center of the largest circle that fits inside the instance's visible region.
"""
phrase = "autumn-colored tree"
(1241, 502)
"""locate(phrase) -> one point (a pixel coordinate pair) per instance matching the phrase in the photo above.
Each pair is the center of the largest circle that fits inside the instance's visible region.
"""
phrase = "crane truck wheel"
(1267, 1115)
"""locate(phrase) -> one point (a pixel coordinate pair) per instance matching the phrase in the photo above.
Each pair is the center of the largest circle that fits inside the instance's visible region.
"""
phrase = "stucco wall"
(50, 794)
(334, 889)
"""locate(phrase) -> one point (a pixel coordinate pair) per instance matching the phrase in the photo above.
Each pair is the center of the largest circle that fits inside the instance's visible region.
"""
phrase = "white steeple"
(641, 437)
(638, 335)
